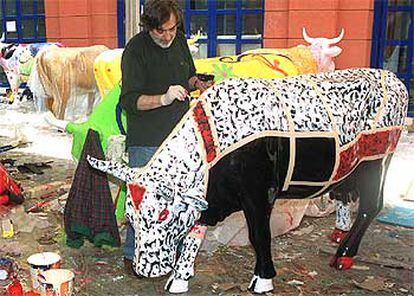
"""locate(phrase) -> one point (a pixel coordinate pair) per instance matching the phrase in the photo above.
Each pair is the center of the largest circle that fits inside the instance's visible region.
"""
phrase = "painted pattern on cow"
(350, 105)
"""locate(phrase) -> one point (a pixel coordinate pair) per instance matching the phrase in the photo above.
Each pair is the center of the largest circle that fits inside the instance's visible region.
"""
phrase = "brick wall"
(82, 22)
(284, 20)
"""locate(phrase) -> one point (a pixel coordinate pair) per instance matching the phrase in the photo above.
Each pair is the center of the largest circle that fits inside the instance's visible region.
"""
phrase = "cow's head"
(324, 50)
(161, 208)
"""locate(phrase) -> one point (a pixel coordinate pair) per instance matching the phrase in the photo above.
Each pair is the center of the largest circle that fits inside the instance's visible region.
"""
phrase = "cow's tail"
(118, 170)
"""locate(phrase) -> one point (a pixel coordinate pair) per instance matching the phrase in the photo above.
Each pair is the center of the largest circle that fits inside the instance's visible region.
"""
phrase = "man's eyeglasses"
(170, 30)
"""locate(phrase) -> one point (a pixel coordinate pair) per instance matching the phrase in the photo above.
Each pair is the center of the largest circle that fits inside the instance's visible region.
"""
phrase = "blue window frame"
(226, 26)
(393, 41)
(22, 21)
(120, 8)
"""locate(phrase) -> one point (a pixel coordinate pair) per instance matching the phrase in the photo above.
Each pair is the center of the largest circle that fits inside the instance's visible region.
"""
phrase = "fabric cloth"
(137, 157)
(148, 69)
(89, 211)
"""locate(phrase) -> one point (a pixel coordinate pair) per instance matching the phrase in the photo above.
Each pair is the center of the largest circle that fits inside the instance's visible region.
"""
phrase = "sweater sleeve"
(133, 80)
(188, 55)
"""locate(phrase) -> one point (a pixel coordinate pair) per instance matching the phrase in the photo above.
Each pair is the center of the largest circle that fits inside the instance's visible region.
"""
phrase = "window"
(393, 41)
(23, 21)
(227, 27)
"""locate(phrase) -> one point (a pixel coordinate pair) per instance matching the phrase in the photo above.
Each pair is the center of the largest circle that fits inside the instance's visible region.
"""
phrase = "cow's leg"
(184, 267)
(257, 215)
(65, 96)
(91, 101)
(370, 184)
(343, 221)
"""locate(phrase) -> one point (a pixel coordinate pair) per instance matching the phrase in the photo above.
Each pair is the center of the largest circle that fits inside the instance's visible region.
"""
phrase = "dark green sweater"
(148, 69)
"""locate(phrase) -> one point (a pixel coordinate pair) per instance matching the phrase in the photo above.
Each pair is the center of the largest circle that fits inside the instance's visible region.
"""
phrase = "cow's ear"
(199, 203)
(333, 51)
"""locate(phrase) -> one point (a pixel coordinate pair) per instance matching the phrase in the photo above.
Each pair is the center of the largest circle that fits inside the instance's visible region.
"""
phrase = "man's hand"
(199, 84)
(203, 85)
(174, 92)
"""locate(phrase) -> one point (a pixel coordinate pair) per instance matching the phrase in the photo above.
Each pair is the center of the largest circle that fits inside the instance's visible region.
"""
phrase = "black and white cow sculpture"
(246, 142)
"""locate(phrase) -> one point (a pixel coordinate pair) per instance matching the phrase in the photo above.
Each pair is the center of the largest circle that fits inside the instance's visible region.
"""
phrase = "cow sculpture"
(246, 142)
(260, 63)
(64, 76)
(17, 61)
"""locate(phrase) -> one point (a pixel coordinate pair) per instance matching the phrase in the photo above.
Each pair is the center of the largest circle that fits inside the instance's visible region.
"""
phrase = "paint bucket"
(6, 272)
(56, 282)
(41, 262)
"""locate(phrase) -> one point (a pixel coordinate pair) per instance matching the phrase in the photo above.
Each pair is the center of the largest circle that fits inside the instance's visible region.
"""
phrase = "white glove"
(174, 92)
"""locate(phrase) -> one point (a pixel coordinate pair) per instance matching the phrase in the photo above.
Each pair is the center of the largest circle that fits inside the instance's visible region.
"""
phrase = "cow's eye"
(165, 192)
(163, 215)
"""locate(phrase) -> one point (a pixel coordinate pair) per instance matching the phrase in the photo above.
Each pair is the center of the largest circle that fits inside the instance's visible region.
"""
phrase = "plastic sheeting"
(65, 76)
(286, 216)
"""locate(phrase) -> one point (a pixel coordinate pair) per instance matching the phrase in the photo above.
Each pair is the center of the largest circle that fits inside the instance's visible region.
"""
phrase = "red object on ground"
(15, 288)
(9, 188)
(31, 293)
(4, 199)
(338, 235)
(342, 263)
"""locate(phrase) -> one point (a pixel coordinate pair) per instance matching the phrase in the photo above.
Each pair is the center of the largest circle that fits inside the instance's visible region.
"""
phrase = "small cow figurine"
(246, 142)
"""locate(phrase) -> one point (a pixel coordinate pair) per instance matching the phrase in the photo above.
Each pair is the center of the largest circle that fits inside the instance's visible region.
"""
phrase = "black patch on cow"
(314, 159)
(245, 176)
(299, 191)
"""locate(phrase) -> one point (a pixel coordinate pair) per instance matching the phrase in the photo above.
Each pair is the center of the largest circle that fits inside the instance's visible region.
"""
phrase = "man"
(157, 74)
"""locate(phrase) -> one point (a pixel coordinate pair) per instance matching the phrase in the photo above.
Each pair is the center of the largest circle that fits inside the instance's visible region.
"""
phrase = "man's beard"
(159, 42)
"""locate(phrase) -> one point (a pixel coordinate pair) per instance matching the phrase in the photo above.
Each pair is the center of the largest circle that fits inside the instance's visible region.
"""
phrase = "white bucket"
(56, 282)
(41, 262)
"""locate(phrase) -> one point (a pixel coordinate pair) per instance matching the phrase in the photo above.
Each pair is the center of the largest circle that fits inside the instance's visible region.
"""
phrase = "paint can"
(56, 282)
(6, 271)
(41, 262)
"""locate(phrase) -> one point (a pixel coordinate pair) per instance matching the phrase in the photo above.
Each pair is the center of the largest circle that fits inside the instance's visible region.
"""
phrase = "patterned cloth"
(89, 211)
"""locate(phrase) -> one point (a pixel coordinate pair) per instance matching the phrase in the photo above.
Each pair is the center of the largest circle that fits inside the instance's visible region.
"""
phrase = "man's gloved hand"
(174, 92)
(203, 85)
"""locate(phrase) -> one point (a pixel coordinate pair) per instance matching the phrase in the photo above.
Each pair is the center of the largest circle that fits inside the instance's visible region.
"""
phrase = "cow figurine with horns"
(324, 50)
(247, 142)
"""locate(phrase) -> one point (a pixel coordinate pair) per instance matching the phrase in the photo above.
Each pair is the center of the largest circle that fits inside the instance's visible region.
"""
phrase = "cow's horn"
(337, 39)
(194, 40)
(306, 37)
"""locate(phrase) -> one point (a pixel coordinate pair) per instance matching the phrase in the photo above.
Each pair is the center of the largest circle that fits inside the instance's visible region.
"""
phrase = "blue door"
(393, 41)
(227, 27)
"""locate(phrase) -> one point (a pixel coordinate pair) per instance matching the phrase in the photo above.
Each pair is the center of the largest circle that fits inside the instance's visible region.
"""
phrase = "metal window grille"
(22, 21)
(226, 23)
(393, 41)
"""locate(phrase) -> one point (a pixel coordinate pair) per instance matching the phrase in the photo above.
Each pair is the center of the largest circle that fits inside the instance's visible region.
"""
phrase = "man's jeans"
(137, 157)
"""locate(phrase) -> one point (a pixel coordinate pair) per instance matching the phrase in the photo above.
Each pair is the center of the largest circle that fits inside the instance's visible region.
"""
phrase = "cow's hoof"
(259, 285)
(342, 263)
(338, 235)
(176, 286)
